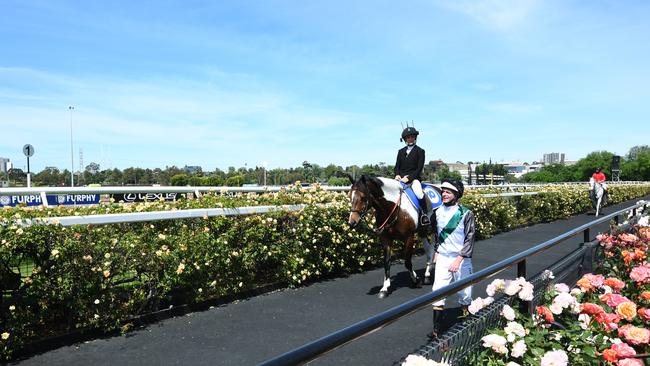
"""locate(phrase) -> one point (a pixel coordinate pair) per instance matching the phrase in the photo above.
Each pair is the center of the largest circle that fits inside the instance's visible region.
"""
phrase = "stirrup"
(424, 220)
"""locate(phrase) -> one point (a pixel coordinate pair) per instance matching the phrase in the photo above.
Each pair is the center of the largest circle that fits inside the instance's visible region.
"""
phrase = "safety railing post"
(586, 238)
(524, 306)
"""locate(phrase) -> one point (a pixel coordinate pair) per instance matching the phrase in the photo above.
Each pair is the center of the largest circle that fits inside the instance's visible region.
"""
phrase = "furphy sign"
(73, 199)
(52, 200)
(31, 200)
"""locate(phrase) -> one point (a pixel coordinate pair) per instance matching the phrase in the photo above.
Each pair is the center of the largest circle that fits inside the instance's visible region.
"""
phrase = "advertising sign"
(144, 197)
(52, 200)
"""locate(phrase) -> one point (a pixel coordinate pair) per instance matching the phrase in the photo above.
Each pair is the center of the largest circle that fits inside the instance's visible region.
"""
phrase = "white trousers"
(444, 277)
(416, 186)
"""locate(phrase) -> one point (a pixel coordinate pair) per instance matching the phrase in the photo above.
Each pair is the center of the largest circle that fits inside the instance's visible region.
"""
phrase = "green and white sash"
(452, 224)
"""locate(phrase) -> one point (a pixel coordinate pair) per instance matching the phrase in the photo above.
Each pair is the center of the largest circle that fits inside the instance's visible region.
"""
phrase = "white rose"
(508, 312)
(518, 349)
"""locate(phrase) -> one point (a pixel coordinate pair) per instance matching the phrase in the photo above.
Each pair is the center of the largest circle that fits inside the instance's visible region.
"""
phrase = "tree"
(235, 181)
(585, 167)
(179, 180)
(634, 152)
(92, 168)
(637, 169)
(445, 173)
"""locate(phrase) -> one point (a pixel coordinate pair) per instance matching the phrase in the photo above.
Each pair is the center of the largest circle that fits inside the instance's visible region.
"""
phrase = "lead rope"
(398, 203)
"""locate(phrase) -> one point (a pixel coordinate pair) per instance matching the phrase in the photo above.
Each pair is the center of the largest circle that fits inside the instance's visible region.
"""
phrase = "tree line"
(634, 166)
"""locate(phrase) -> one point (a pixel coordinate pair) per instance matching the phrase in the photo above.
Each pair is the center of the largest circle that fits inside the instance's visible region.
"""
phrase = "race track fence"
(467, 335)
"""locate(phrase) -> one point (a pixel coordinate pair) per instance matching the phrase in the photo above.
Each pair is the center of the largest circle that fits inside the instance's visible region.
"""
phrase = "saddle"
(432, 196)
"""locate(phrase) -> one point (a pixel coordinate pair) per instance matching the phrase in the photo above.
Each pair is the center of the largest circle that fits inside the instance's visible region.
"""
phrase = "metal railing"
(157, 215)
(315, 349)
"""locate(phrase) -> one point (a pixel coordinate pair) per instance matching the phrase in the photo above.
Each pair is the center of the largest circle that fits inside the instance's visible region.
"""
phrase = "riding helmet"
(454, 185)
(410, 131)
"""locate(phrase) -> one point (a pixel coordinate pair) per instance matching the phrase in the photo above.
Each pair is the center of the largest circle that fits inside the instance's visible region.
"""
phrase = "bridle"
(366, 207)
(366, 204)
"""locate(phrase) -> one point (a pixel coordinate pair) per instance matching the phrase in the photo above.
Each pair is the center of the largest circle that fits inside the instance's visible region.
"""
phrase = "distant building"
(5, 165)
(192, 169)
(553, 158)
(517, 169)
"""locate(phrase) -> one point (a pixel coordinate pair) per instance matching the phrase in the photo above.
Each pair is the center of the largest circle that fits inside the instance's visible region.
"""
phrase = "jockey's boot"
(424, 219)
(437, 317)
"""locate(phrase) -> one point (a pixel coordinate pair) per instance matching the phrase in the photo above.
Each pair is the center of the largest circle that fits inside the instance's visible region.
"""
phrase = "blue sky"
(234, 83)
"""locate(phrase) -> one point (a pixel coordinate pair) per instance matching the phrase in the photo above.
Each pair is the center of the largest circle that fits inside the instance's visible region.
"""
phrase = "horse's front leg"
(408, 253)
(385, 242)
(598, 205)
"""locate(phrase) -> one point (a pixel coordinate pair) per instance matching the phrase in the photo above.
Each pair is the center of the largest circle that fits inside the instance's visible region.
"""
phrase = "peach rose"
(626, 310)
(634, 335)
(590, 282)
(645, 295)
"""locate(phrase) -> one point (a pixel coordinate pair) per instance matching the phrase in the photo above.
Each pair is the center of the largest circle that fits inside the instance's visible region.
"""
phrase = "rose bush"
(603, 320)
(58, 279)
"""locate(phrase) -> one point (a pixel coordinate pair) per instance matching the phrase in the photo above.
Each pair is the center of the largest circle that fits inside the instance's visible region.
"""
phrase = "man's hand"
(405, 179)
(398, 177)
(455, 265)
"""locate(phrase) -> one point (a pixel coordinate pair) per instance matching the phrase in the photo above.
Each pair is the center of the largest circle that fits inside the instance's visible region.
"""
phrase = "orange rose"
(546, 313)
(644, 313)
(645, 295)
(591, 309)
(639, 254)
(616, 284)
(584, 284)
(626, 310)
(610, 355)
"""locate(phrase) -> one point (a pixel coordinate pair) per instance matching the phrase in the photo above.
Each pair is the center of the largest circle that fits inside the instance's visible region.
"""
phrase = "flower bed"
(59, 279)
(603, 320)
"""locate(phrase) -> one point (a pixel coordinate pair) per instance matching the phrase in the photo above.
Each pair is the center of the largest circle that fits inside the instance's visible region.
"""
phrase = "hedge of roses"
(603, 320)
(56, 279)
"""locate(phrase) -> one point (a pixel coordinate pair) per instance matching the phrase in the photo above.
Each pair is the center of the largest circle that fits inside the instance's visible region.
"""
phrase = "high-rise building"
(553, 158)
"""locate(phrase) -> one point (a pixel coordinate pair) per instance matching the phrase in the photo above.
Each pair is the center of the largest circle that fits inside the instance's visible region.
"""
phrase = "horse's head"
(362, 194)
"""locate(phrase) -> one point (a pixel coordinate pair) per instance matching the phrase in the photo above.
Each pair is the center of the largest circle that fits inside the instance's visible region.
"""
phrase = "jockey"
(599, 176)
(456, 228)
(408, 168)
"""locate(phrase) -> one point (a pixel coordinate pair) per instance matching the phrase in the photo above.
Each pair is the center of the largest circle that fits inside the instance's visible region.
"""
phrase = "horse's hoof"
(427, 280)
(383, 294)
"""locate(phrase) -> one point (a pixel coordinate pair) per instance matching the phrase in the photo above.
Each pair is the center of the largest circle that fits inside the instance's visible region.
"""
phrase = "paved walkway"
(250, 331)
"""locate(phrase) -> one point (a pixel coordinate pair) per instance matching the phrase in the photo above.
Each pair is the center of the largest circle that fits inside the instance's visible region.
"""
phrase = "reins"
(397, 204)
(385, 224)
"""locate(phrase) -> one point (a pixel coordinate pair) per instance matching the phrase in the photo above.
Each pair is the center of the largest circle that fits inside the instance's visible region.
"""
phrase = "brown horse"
(396, 219)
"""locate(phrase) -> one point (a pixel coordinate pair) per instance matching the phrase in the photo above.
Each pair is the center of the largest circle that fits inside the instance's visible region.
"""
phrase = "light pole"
(71, 108)
(264, 164)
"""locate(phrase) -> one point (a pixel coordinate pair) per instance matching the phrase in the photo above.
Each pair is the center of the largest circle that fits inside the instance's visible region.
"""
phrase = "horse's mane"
(383, 184)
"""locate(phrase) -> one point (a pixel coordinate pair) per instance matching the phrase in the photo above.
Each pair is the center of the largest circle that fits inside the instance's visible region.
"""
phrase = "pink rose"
(613, 300)
(623, 350)
(630, 362)
(641, 273)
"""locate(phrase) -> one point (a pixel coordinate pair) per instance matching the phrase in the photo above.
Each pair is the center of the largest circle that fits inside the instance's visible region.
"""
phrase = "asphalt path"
(250, 331)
